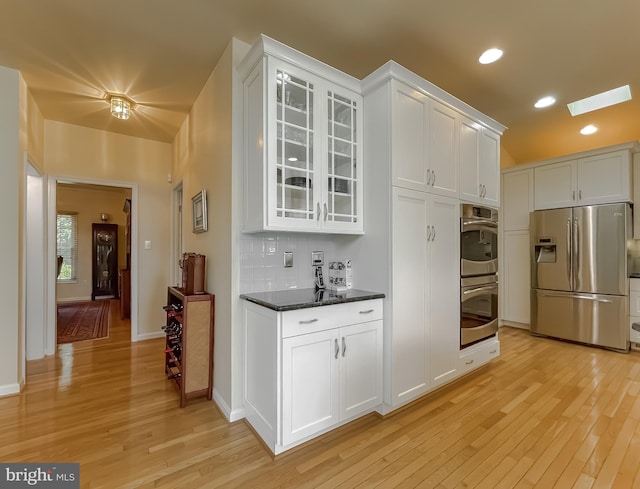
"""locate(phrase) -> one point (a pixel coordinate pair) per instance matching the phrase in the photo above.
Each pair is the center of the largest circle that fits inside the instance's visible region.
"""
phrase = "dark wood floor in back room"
(544, 414)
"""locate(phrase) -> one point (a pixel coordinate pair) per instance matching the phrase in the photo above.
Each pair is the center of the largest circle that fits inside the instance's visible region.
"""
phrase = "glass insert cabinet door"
(342, 180)
(296, 169)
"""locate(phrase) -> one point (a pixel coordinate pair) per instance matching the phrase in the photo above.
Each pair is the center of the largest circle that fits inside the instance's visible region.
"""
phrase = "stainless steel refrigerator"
(579, 279)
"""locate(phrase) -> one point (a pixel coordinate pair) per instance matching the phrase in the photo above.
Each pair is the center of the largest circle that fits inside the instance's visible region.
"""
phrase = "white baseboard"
(73, 299)
(514, 324)
(231, 416)
(9, 390)
(149, 336)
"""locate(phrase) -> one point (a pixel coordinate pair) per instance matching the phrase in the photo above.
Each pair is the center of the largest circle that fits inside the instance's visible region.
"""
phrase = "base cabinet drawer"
(478, 354)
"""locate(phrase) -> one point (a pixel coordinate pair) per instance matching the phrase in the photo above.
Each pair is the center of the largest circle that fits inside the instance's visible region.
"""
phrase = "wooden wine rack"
(192, 368)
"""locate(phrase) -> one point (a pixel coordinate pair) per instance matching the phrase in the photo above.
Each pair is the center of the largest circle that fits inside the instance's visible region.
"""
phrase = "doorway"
(123, 197)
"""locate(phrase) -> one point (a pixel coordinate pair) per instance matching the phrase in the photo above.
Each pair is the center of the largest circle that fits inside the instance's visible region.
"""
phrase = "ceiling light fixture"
(600, 101)
(121, 107)
(545, 102)
(590, 129)
(490, 56)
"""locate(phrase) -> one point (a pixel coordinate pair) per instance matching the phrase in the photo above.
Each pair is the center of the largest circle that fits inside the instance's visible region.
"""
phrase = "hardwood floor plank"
(546, 413)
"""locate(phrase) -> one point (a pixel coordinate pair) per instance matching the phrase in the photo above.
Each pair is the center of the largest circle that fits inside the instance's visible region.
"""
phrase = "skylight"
(600, 101)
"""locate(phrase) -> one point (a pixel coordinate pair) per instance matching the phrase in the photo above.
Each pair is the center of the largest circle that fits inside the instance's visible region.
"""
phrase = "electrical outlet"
(288, 259)
(317, 258)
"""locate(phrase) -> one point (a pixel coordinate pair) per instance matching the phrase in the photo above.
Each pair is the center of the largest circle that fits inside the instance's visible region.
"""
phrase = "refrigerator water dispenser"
(545, 250)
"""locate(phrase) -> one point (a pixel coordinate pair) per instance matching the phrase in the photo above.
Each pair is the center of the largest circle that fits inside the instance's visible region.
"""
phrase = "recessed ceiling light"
(600, 101)
(545, 102)
(590, 129)
(490, 55)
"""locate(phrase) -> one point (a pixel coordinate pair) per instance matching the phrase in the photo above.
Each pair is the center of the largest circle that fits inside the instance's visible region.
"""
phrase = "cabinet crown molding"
(393, 70)
(632, 146)
(268, 46)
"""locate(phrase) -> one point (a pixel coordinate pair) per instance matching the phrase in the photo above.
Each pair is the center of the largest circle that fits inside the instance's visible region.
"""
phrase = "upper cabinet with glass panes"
(302, 143)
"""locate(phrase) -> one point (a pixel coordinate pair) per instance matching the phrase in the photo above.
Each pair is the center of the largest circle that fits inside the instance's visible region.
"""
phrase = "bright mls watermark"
(49, 475)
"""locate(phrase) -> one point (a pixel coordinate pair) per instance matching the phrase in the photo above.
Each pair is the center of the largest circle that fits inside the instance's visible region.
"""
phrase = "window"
(67, 247)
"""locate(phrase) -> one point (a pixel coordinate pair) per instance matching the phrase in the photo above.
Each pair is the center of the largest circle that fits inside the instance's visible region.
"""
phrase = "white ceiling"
(161, 52)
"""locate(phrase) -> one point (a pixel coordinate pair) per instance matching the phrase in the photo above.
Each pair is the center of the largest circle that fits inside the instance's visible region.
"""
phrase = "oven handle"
(476, 291)
(480, 222)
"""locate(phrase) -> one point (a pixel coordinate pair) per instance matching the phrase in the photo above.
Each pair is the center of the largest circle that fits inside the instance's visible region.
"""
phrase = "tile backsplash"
(262, 260)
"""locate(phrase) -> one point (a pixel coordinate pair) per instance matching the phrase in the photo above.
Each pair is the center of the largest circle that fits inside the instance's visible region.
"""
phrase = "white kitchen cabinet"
(517, 199)
(515, 251)
(410, 116)
(310, 370)
(303, 138)
(413, 226)
(598, 179)
(555, 185)
(443, 247)
(479, 164)
(516, 277)
(442, 172)
(425, 340)
(328, 377)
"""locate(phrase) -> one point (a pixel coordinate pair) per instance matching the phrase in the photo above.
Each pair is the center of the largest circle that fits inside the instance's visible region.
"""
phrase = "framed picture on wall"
(199, 202)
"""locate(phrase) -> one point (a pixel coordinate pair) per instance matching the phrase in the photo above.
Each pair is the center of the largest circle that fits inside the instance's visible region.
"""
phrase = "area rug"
(79, 321)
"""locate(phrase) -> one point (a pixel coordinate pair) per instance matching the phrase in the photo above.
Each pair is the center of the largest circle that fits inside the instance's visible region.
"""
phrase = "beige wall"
(88, 202)
(505, 158)
(84, 154)
(10, 185)
(203, 158)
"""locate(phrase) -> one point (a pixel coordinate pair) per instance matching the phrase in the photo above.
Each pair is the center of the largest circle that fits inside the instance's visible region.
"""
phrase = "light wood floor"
(544, 414)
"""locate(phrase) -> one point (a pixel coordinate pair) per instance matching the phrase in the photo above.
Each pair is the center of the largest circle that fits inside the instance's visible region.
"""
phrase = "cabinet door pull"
(326, 211)
(337, 347)
(433, 178)
(573, 195)
(344, 346)
(493, 351)
(318, 210)
(433, 233)
(579, 194)
(428, 233)
(468, 362)
(428, 177)
(307, 321)
(367, 311)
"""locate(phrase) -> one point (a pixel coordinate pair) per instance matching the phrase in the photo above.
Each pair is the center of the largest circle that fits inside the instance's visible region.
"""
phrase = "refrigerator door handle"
(569, 252)
(576, 250)
(575, 296)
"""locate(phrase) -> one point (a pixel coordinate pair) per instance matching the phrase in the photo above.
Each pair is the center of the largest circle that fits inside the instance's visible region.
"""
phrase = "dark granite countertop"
(292, 299)
(634, 275)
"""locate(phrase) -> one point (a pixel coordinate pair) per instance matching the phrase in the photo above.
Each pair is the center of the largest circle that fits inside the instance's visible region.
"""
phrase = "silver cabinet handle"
(344, 346)
(367, 311)
(468, 362)
(337, 348)
(493, 351)
(428, 177)
(428, 233)
(573, 195)
(318, 210)
(326, 211)
(433, 233)
(579, 194)
(308, 321)
(433, 179)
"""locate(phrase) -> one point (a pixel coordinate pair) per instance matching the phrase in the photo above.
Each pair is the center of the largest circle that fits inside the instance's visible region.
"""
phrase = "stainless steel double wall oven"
(478, 273)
